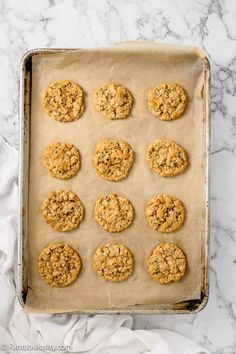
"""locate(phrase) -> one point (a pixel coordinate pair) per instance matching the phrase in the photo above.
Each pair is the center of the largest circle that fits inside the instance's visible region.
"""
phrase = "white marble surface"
(31, 24)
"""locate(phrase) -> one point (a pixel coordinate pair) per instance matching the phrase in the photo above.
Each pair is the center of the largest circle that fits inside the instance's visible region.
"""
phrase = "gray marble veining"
(26, 24)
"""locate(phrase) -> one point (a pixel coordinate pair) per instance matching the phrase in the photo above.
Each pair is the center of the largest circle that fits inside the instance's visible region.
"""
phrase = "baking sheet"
(139, 67)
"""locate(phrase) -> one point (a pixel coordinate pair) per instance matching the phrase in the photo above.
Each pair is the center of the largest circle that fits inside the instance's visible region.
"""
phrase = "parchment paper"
(138, 66)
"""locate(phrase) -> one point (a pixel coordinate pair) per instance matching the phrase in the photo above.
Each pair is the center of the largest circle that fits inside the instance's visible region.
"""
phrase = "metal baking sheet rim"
(186, 307)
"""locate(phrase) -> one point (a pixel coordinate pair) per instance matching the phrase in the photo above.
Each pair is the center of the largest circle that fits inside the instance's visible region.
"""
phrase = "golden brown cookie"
(165, 213)
(59, 264)
(62, 160)
(167, 101)
(64, 101)
(166, 263)
(166, 158)
(114, 213)
(114, 101)
(113, 159)
(114, 262)
(63, 210)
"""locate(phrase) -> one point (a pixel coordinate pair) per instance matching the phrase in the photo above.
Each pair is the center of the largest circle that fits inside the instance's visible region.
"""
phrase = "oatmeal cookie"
(62, 160)
(167, 158)
(114, 101)
(64, 101)
(167, 101)
(165, 213)
(114, 262)
(166, 263)
(113, 159)
(59, 264)
(63, 210)
(114, 213)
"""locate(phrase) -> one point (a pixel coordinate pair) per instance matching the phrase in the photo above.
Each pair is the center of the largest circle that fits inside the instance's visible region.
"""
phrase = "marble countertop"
(208, 23)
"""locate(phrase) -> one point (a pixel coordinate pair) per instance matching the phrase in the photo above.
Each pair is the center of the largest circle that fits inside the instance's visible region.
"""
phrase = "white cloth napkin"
(78, 334)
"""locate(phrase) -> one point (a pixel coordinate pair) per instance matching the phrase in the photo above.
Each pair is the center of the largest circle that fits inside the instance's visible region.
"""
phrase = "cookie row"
(64, 101)
(114, 158)
(59, 264)
(64, 211)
